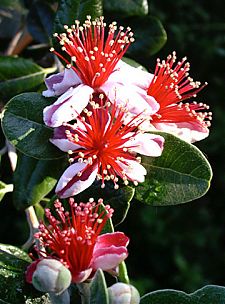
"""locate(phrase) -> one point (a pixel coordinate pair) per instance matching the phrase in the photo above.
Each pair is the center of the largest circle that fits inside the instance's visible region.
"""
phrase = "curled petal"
(109, 257)
(67, 106)
(60, 140)
(81, 276)
(108, 239)
(134, 98)
(187, 131)
(147, 144)
(59, 83)
(72, 183)
(133, 170)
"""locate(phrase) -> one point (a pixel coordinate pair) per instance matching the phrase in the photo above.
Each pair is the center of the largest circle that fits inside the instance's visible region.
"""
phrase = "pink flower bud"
(51, 275)
(121, 293)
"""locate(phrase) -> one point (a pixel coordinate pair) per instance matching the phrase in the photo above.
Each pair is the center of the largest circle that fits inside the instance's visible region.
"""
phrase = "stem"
(33, 225)
(84, 289)
(63, 298)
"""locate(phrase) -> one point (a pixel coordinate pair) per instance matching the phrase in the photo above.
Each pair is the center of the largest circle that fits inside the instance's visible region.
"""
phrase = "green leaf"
(98, 289)
(69, 10)
(210, 294)
(23, 126)
(127, 7)
(18, 75)
(40, 21)
(123, 274)
(118, 199)
(4, 188)
(34, 179)
(150, 37)
(13, 289)
(180, 175)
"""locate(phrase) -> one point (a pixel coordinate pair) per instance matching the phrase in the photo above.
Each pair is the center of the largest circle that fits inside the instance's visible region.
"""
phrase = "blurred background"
(180, 247)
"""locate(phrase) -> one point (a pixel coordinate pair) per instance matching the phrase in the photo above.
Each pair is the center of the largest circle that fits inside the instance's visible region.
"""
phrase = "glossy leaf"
(23, 126)
(150, 37)
(210, 294)
(69, 10)
(180, 175)
(40, 21)
(4, 188)
(127, 7)
(34, 179)
(18, 75)
(118, 199)
(98, 289)
(13, 289)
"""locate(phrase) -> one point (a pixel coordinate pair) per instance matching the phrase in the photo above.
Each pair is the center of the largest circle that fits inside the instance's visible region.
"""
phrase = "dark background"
(181, 247)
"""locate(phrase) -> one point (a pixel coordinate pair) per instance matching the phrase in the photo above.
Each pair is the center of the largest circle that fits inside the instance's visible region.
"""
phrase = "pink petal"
(67, 106)
(58, 84)
(108, 239)
(71, 184)
(134, 98)
(81, 276)
(187, 131)
(126, 74)
(60, 140)
(108, 258)
(147, 144)
(133, 170)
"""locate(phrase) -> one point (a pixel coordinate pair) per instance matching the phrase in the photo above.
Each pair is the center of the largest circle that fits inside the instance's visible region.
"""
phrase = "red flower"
(170, 86)
(74, 239)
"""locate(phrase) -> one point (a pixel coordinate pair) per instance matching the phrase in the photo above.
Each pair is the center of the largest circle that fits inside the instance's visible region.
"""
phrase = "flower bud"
(121, 293)
(51, 275)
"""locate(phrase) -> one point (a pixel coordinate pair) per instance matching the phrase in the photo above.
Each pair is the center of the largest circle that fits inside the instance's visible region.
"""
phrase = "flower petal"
(133, 170)
(133, 98)
(109, 257)
(108, 239)
(146, 144)
(126, 74)
(58, 84)
(60, 140)
(188, 131)
(67, 106)
(71, 184)
(81, 276)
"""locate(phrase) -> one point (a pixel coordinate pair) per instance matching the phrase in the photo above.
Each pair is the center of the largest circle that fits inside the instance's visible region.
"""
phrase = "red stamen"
(170, 86)
(92, 58)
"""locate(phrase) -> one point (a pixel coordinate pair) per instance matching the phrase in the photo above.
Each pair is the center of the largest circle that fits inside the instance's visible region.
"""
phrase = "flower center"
(104, 140)
(94, 53)
(71, 236)
(170, 86)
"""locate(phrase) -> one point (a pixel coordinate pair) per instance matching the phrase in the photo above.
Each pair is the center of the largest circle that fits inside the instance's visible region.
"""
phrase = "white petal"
(67, 106)
(64, 144)
(146, 144)
(76, 184)
(134, 170)
(135, 99)
(126, 74)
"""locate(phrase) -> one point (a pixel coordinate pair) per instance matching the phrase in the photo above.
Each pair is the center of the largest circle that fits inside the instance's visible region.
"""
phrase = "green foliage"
(206, 295)
(13, 289)
(127, 7)
(98, 289)
(4, 188)
(23, 126)
(181, 174)
(34, 179)
(18, 75)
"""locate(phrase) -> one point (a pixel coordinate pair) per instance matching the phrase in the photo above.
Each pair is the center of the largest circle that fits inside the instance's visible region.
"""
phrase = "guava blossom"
(170, 86)
(74, 238)
(95, 66)
(101, 146)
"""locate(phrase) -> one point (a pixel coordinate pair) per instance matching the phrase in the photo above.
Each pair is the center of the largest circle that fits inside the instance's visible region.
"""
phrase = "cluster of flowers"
(103, 118)
(105, 107)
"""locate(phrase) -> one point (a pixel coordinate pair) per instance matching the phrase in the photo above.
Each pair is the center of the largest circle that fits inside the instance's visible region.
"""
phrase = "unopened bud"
(121, 293)
(51, 276)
